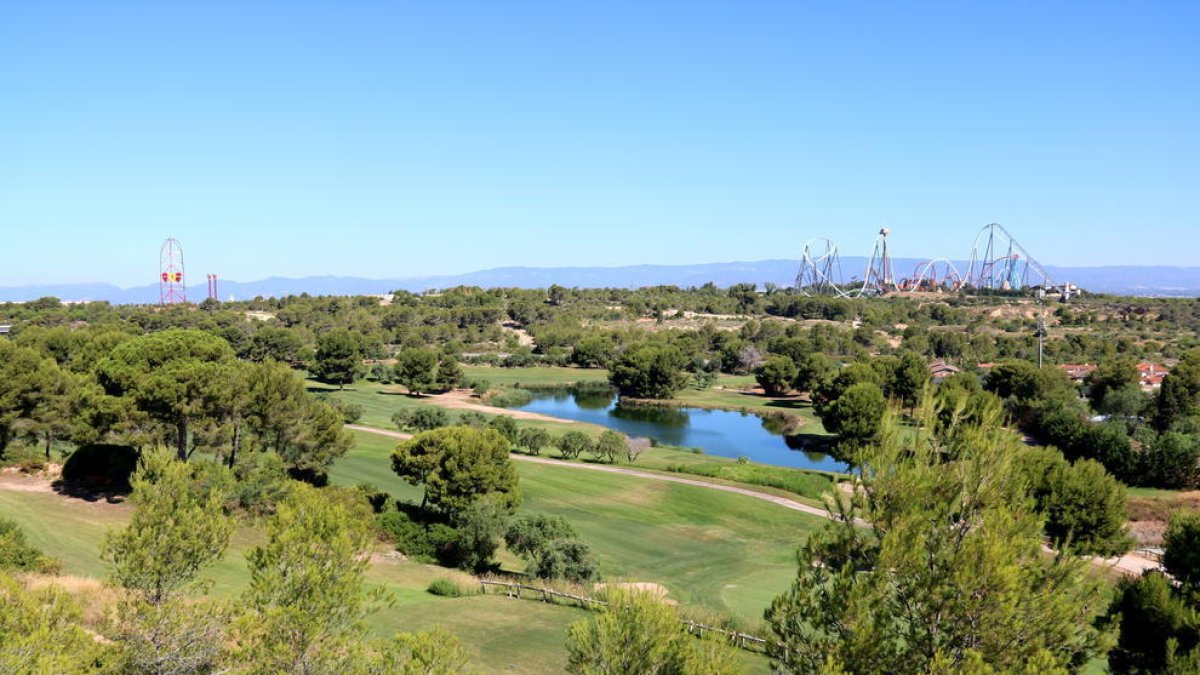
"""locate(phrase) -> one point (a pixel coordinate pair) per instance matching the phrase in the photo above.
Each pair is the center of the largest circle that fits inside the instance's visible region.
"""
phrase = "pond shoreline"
(792, 422)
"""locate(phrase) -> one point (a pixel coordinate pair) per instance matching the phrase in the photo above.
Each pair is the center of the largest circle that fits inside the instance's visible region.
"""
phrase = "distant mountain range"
(1124, 280)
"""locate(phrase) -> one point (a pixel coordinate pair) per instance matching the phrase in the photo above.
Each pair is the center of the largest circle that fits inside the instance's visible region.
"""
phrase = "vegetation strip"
(1130, 564)
(736, 638)
(781, 501)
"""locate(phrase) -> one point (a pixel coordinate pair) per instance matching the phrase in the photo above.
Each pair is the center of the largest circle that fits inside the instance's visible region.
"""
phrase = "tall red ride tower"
(171, 288)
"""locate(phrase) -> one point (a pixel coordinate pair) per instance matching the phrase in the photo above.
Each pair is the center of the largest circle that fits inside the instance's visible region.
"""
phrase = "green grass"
(534, 376)
(810, 485)
(723, 551)
(380, 402)
(68, 529)
(732, 399)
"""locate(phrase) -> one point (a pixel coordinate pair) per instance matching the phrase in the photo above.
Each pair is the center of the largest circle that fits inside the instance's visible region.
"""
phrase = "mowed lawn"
(725, 552)
(718, 550)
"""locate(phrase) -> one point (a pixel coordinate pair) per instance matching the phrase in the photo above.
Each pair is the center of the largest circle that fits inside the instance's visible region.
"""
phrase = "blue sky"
(394, 139)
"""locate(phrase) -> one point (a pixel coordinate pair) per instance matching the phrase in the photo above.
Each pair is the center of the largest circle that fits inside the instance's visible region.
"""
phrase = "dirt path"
(15, 482)
(460, 399)
(380, 432)
(1130, 564)
(774, 499)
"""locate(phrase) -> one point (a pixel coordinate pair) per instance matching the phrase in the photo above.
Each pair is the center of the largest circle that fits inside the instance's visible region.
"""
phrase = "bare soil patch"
(1148, 515)
(462, 399)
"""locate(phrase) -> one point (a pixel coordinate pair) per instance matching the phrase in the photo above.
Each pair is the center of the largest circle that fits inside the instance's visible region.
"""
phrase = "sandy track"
(1130, 564)
(774, 499)
(461, 400)
(13, 482)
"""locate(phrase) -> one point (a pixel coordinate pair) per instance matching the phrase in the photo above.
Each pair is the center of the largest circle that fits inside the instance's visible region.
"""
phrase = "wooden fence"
(514, 589)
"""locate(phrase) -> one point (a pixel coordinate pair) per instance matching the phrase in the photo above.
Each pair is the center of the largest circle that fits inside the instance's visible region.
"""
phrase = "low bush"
(262, 482)
(422, 418)
(428, 542)
(507, 398)
(379, 500)
(101, 467)
(449, 588)
(17, 554)
(350, 412)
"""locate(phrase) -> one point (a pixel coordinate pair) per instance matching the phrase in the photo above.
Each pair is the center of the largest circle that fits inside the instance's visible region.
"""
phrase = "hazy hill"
(1126, 280)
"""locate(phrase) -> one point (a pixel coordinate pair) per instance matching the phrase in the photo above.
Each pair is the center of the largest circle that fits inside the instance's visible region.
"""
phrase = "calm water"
(717, 432)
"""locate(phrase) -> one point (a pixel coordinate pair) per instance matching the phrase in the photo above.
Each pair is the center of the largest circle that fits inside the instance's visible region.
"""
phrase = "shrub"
(262, 482)
(379, 500)
(534, 440)
(101, 466)
(429, 542)
(508, 398)
(422, 418)
(473, 419)
(447, 588)
(506, 426)
(574, 443)
(480, 387)
(350, 412)
(17, 554)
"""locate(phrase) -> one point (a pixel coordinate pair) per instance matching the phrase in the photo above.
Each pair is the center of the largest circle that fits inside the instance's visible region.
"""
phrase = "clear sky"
(402, 138)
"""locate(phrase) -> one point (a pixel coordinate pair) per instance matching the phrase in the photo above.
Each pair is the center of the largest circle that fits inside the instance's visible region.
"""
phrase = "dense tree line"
(178, 387)
(304, 611)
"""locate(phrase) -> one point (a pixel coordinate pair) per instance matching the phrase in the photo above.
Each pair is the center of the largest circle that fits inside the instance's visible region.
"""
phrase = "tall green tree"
(1159, 615)
(610, 445)
(1111, 375)
(776, 375)
(1179, 395)
(534, 440)
(649, 371)
(909, 378)
(179, 526)
(812, 372)
(25, 377)
(1083, 505)
(281, 416)
(551, 549)
(274, 343)
(177, 377)
(339, 358)
(856, 416)
(416, 369)
(459, 465)
(307, 606)
(449, 373)
(574, 443)
(944, 572)
(1181, 552)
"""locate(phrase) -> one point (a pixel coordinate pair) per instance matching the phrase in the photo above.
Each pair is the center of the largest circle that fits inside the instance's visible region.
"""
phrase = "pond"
(718, 432)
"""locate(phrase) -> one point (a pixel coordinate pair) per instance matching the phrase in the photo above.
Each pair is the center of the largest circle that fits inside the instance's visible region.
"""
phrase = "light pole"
(1041, 325)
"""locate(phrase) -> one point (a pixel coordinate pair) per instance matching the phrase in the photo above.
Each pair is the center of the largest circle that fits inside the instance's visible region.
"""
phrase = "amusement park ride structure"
(997, 263)
(172, 289)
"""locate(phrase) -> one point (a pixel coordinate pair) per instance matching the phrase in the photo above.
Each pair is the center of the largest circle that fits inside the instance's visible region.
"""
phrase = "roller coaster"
(997, 262)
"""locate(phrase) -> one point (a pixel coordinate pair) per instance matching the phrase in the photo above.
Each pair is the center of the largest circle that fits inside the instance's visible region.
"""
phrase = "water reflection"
(718, 432)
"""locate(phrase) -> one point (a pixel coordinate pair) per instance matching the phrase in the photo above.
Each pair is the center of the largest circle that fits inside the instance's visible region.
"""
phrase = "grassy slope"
(539, 375)
(718, 550)
(379, 402)
(715, 550)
